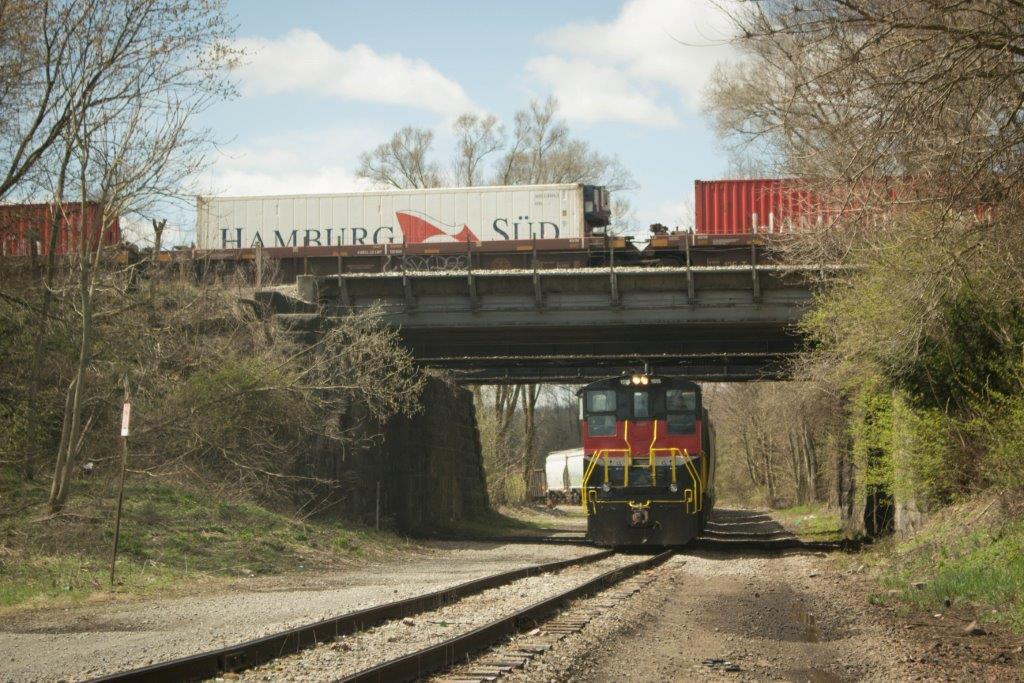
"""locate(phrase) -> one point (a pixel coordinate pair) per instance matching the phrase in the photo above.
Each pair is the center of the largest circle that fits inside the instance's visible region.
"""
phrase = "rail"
(444, 655)
(251, 653)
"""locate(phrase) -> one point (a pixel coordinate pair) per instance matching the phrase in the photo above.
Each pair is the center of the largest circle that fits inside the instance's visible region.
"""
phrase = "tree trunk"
(73, 405)
(755, 475)
(811, 456)
(158, 232)
(72, 432)
(529, 396)
(36, 368)
(795, 466)
(764, 444)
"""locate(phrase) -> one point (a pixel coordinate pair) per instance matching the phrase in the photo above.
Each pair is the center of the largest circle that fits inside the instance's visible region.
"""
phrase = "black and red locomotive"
(648, 460)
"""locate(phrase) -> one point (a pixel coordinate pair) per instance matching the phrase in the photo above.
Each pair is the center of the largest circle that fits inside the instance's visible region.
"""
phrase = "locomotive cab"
(648, 463)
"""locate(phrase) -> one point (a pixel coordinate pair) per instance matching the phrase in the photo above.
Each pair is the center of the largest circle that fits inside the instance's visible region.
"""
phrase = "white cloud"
(650, 46)
(303, 161)
(302, 61)
(256, 180)
(588, 92)
(300, 161)
(674, 214)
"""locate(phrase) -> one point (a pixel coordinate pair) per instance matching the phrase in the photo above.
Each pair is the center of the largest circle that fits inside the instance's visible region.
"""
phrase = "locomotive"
(649, 462)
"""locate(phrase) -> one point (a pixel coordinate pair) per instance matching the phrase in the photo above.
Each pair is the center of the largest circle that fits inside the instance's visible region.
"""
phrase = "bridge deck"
(710, 322)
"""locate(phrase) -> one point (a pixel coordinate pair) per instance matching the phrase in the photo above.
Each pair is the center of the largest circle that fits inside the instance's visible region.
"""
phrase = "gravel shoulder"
(83, 642)
(795, 617)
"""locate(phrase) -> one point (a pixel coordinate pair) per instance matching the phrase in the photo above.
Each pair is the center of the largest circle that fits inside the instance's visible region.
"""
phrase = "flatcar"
(648, 463)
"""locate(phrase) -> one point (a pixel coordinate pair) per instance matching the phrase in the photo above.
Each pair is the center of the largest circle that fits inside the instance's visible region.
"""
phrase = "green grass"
(980, 569)
(811, 522)
(493, 523)
(171, 539)
(519, 521)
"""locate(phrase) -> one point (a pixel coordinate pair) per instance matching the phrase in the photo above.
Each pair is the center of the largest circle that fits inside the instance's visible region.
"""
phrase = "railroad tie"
(504, 659)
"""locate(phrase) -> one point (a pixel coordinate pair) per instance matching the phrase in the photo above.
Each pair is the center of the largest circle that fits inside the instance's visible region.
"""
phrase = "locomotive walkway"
(717, 323)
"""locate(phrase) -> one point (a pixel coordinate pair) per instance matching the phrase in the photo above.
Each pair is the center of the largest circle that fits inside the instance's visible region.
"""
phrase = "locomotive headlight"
(606, 488)
(673, 488)
(636, 379)
(645, 380)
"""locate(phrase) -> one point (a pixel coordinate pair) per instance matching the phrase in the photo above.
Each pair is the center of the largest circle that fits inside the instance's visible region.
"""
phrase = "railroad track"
(728, 531)
(261, 650)
(451, 652)
(719, 542)
(576, 538)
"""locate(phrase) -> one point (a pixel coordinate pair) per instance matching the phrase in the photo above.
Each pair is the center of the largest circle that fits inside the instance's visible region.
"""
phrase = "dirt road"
(776, 617)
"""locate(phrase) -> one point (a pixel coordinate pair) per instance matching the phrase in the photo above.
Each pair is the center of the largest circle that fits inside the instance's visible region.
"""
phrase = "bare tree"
(771, 436)
(877, 104)
(477, 137)
(403, 162)
(159, 64)
(41, 63)
(540, 150)
(543, 151)
(903, 120)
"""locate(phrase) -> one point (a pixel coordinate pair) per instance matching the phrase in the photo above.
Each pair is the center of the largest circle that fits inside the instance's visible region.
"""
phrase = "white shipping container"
(476, 214)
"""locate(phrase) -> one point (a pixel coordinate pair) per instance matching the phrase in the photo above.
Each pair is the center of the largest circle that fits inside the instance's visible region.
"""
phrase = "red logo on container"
(418, 227)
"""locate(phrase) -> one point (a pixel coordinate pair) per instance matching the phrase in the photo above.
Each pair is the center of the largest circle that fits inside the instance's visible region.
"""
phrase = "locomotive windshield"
(641, 405)
(602, 408)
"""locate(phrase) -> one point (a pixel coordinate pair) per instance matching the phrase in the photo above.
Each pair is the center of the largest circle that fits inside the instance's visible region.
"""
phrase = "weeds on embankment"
(812, 522)
(173, 540)
(969, 557)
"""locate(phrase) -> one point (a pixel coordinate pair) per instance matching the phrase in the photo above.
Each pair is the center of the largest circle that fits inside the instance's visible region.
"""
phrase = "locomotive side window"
(681, 406)
(641, 406)
(601, 401)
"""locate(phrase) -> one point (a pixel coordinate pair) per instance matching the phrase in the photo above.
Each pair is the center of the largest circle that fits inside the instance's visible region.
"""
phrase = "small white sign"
(126, 417)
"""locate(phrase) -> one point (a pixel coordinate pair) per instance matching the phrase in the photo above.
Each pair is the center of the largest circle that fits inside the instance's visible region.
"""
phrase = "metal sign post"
(126, 416)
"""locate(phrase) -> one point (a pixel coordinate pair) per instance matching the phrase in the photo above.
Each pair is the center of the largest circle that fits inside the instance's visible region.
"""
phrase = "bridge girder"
(722, 323)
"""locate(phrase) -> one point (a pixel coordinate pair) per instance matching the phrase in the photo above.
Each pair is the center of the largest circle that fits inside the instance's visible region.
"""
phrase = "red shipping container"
(23, 224)
(737, 207)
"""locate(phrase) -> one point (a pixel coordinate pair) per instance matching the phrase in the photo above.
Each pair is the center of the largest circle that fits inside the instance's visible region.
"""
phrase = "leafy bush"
(1001, 430)
(219, 394)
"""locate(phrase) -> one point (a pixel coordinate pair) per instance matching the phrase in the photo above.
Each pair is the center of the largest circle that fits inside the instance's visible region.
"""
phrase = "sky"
(324, 80)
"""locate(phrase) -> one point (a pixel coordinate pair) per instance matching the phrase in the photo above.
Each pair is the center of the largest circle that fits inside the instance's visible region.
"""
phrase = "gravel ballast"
(84, 642)
(359, 651)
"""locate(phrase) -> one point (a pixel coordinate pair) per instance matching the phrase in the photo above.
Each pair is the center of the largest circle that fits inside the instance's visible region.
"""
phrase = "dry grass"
(172, 538)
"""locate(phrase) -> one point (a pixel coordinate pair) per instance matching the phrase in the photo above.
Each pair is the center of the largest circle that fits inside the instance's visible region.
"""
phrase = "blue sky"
(324, 81)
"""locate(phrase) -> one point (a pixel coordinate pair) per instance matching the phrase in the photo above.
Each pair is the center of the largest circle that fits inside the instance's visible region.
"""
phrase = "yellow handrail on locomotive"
(651, 460)
(698, 482)
(684, 454)
(590, 470)
(627, 460)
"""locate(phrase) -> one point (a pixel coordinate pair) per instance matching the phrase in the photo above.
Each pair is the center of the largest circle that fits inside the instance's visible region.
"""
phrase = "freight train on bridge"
(484, 228)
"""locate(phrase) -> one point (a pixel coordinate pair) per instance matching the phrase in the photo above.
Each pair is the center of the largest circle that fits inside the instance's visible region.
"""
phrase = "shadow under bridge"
(710, 323)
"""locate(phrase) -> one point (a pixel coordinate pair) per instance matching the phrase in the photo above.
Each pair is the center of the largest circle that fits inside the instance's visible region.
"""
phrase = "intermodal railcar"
(649, 461)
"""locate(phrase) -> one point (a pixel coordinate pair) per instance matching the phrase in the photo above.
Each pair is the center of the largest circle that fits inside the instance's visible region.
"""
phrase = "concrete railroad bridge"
(710, 323)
